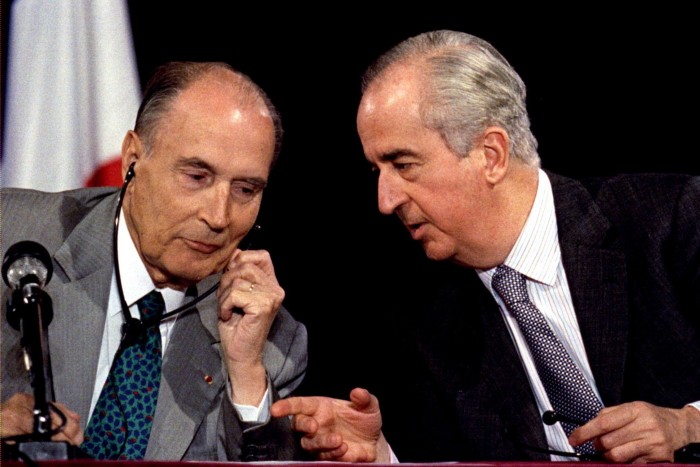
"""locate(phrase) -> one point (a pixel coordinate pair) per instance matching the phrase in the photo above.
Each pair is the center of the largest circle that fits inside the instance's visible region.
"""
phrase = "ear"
(132, 150)
(496, 145)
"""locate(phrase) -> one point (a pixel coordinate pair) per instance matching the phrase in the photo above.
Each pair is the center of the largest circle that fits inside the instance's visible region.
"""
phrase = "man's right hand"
(338, 430)
(18, 419)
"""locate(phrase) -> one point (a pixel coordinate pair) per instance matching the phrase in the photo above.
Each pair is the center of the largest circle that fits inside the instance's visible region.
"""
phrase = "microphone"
(26, 269)
(26, 263)
(550, 417)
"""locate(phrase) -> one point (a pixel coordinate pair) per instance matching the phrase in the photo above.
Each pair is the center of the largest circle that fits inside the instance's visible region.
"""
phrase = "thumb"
(363, 400)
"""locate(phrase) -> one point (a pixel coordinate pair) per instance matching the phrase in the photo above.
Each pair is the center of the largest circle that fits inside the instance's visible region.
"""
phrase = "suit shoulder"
(81, 197)
(638, 184)
(643, 196)
(630, 195)
(46, 217)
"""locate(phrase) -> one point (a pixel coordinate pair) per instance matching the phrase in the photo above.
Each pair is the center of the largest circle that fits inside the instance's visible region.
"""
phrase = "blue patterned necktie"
(121, 422)
(567, 388)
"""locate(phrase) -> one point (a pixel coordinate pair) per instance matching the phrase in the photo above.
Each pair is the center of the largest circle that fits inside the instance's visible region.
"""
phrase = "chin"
(437, 252)
(201, 264)
(192, 273)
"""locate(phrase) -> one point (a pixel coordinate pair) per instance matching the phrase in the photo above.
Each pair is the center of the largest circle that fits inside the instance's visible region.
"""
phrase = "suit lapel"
(193, 379)
(75, 366)
(506, 377)
(85, 262)
(598, 282)
(473, 359)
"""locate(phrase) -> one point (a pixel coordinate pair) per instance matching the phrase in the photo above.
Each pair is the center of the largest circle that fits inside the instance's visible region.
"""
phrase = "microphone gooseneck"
(551, 417)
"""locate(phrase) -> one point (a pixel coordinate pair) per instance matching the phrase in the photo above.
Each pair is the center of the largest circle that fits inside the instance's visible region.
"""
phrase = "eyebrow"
(201, 164)
(195, 162)
(393, 155)
(260, 183)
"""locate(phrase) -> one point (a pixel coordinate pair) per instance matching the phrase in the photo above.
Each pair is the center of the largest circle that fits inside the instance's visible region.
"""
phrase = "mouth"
(415, 229)
(202, 247)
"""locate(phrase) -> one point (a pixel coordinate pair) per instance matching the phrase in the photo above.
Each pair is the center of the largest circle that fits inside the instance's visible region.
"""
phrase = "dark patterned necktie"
(567, 388)
(121, 422)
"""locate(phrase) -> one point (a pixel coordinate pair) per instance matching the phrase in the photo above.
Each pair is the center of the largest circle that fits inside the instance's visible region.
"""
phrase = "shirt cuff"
(393, 459)
(253, 414)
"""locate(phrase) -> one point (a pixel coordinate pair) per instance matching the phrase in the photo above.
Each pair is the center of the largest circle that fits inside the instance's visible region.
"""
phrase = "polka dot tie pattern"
(121, 422)
(567, 388)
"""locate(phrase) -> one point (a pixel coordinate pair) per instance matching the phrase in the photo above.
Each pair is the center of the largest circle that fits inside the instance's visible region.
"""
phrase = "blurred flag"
(72, 93)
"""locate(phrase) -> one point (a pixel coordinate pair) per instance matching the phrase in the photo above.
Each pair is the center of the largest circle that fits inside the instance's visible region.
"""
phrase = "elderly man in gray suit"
(195, 167)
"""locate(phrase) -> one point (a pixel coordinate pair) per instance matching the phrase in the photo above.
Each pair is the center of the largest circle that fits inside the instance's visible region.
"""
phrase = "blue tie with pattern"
(121, 422)
(567, 388)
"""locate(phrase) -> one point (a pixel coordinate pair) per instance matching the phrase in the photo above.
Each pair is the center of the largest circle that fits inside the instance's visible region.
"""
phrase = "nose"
(389, 194)
(215, 212)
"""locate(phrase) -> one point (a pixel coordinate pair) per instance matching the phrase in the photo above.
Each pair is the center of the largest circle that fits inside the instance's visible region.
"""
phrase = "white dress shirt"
(135, 284)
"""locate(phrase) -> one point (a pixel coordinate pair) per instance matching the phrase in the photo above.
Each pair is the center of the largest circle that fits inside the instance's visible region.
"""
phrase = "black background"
(608, 92)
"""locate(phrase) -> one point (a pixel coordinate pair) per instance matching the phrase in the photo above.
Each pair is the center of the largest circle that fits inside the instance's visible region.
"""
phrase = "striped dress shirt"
(536, 255)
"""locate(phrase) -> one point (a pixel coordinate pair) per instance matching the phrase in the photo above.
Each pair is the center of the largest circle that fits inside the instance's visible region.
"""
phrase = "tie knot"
(151, 305)
(510, 285)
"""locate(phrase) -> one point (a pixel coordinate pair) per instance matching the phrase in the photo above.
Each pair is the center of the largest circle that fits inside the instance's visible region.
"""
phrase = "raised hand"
(249, 299)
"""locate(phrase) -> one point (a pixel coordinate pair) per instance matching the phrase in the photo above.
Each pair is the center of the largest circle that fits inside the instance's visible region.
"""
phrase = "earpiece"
(130, 173)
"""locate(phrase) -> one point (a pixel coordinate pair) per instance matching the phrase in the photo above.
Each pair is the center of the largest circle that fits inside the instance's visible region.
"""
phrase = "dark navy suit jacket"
(631, 250)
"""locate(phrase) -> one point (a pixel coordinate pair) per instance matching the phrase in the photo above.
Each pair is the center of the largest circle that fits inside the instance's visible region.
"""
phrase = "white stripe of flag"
(72, 93)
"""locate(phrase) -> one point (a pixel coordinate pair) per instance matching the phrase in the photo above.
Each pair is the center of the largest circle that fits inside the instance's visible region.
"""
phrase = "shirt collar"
(536, 253)
(134, 276)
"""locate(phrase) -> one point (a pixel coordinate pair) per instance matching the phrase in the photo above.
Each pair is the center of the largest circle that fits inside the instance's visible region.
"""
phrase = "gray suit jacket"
(631, 250)
(194, 418)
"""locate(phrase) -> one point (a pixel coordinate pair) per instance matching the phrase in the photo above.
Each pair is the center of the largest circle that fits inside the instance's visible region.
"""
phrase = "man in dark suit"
(195, 167)
(610, 268)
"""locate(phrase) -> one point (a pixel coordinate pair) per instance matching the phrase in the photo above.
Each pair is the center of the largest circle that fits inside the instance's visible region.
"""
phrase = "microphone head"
(549, 417)
(24, 260)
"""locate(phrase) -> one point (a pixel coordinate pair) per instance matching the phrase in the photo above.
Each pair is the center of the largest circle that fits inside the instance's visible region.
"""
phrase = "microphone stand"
(30, 310)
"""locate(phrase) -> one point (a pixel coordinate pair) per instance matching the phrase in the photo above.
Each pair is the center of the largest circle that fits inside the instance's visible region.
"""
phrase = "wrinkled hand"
(639, 432)
(18, 419)
(249, 298)
(338, 430)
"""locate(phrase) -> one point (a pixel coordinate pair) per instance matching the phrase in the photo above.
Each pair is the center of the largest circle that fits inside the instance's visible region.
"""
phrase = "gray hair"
(171, 78)
(470, 86)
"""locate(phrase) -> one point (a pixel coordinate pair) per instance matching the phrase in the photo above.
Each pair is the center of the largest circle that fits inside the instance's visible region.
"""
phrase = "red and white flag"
(72, 93)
